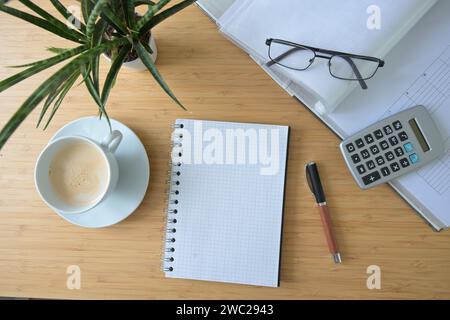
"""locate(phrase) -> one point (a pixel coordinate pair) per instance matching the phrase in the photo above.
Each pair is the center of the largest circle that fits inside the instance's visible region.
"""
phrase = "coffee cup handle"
(112, 140)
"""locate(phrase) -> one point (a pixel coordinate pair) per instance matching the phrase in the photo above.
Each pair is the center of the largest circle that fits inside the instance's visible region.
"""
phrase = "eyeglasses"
(345, 66)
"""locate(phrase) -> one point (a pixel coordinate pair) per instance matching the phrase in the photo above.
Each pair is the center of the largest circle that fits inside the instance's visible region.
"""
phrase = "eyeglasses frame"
(319, 53)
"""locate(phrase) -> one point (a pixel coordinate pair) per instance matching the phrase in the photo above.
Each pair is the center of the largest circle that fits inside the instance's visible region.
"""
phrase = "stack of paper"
(354, 26)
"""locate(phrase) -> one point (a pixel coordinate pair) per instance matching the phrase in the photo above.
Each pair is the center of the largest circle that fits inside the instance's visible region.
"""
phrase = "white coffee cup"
(42, 177)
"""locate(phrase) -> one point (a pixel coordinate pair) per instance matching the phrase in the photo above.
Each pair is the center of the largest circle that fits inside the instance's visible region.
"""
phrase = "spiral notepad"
(225, 203)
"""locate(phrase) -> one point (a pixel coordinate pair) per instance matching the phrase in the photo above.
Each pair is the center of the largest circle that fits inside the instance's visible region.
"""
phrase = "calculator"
(392, 147)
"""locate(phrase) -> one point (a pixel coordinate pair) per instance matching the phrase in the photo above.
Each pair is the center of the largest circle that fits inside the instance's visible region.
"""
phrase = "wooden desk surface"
(215, 80)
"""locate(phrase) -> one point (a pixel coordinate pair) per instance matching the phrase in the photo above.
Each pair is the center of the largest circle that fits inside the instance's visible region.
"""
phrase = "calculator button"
(393, 140)
(404, 162)
(368, 138)
(359, 143)
(395, 166)
(408, 147)
(365, 154)
(397, 125)
(371, 178)
(385, 171)
(356, 158)
(374, 149)
(370, 164)
(414, 158)
(378, 134)
(403, 136)
(350, 147)
(387, 129)
(361, 169)
(384, 145)
(379, 160)
(389, 156)
(399, 151)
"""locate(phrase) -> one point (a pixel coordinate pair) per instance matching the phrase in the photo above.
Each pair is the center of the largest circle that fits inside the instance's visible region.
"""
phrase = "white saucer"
(134, 173)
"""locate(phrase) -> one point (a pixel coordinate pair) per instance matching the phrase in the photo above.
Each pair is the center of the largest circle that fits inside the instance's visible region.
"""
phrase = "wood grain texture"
(216, 81)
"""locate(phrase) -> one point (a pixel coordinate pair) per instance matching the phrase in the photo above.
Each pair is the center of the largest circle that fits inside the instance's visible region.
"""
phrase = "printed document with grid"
(414, 75)
(228, 214)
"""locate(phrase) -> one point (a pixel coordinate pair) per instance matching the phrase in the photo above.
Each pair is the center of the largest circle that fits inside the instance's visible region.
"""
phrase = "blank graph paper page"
(227, 197)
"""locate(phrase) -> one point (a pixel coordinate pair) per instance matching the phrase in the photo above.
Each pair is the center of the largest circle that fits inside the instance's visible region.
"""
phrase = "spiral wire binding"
(173, 183)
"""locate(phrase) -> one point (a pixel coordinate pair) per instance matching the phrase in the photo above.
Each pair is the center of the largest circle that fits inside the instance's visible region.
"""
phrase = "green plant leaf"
(146, 59)
(50, 49)
(54, 93)
(50, 98)
(48, 86)
(86, 9)
(42, 23)
(128, 12)
(65, 89)
(112, 19)
(97, 40)
(95, 95)
(34, 99)
(113, 71)
(44, 14)
(57, 50)
(143, 2)
(164, 15)
(150, 13)
(38, 66)
(147, 47)
(68, 16)
(96, 11)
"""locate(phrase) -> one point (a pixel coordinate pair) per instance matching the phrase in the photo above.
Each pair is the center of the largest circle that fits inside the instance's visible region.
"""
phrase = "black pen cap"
(313, 178)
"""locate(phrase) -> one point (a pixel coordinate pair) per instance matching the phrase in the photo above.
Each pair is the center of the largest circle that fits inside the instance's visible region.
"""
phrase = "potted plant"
(110, 27)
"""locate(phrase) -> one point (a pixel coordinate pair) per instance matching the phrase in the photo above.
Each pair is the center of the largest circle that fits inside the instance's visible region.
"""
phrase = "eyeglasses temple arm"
(282, 56)
(361, 81)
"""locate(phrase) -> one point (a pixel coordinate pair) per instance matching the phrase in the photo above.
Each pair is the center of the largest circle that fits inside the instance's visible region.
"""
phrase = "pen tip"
(337, 258)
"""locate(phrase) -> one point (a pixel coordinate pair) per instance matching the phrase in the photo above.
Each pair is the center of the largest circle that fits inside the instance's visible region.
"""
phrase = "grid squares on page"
(229, 218)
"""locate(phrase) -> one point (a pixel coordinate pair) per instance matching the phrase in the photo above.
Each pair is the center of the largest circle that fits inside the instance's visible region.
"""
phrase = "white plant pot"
(137, 64)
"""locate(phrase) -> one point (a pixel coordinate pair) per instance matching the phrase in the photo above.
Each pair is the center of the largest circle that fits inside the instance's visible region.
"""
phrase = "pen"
(313, 178)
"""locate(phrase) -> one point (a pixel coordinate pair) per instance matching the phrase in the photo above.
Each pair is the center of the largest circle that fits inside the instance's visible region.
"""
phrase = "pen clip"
(313, 179)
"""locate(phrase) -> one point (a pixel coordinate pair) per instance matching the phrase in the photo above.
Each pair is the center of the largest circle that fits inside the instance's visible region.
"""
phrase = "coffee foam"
(78, 173)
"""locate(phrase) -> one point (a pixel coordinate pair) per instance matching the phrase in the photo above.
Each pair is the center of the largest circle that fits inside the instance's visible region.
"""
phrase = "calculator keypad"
(387, 130)
(379, 160)
(359, 143)
(371, 178)
(365, 154)
(384, 145)
(385, 171)
(404, 162)
(397, 125)
(374, 149)
(393, 141)
(403, 136)
(395, 166)
(414, 158)
(370, 164)
(361, 169)
(356, 158)
(392, 147)
(389, 156)
(408, 147)
(350, 147)
(368, 138)
(378, 134)
(384, 151)
(399, 152)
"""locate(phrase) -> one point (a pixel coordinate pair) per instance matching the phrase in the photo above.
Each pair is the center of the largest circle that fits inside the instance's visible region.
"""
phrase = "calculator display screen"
(419, 135)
